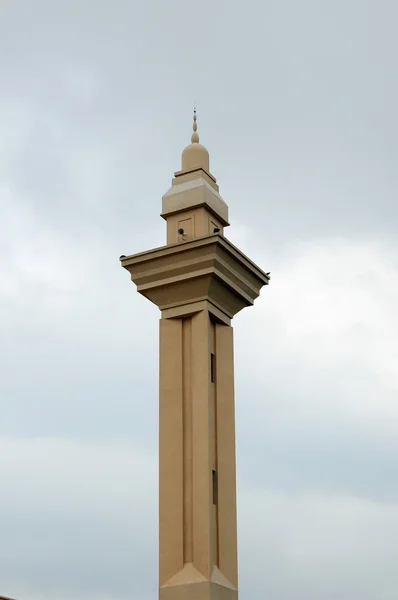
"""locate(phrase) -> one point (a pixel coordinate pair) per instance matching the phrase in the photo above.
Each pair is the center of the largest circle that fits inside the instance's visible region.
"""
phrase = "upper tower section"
(193, 207)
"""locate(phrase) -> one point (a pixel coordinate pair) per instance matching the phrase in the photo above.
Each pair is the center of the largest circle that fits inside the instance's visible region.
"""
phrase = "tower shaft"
(197, 486)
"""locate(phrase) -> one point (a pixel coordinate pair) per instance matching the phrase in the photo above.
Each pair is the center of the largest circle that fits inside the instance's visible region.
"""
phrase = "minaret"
(199, 281)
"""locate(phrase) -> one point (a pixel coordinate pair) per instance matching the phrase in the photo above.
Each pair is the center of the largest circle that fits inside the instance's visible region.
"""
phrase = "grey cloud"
(296, 104)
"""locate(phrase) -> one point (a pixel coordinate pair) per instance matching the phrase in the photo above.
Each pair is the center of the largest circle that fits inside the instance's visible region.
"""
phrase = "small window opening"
(212, 368)
(215, 487)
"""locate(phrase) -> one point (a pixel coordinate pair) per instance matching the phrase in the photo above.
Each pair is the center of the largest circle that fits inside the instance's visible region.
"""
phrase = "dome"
(195, 156)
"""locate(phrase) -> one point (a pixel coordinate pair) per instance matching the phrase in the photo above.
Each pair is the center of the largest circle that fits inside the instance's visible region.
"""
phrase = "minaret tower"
(199, 281)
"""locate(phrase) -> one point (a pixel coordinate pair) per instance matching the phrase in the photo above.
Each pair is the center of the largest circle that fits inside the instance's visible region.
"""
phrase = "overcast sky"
(297, 104)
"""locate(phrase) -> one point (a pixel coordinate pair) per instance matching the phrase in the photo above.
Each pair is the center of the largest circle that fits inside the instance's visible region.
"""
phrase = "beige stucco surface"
(199, 281)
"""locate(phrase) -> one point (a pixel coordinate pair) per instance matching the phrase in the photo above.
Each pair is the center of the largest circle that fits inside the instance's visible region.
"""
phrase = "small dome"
(195, 156)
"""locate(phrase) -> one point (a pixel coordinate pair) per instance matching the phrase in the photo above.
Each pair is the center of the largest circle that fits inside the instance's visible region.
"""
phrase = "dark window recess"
(212, 368)
(215, 487)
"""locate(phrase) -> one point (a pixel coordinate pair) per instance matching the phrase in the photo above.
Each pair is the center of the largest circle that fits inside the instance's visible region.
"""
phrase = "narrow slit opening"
(212, 368)
(215, 487)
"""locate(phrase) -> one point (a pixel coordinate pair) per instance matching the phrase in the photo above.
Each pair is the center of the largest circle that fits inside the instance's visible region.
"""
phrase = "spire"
(195, 156)
(195, 135)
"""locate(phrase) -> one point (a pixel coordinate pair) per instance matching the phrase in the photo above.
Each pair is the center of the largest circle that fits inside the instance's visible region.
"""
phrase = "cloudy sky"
(297, 105)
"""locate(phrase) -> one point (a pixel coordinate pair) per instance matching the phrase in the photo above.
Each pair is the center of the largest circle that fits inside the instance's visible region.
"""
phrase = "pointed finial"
(194, 156)
(195, 136)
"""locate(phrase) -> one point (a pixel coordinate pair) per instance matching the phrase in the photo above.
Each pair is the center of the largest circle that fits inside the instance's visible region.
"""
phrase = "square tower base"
(204, 590)
(189, 584)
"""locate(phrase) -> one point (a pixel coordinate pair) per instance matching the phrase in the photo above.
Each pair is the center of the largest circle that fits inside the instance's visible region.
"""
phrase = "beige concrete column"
(226, 460)
(197, 512)
(171, 557)
(201, 463)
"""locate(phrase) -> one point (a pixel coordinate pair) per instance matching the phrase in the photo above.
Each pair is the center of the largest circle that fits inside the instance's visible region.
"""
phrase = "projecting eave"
(173, 248)
(208, 269)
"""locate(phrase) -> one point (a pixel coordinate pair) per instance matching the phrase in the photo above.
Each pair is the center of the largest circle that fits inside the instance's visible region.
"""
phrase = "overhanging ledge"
(204, 269)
